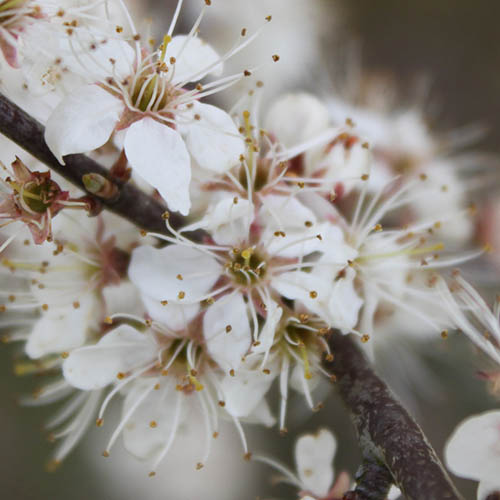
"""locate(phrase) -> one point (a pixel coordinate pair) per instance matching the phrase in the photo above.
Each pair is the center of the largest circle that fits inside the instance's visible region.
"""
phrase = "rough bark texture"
(387, 433)
(373, 481)
(130, 202)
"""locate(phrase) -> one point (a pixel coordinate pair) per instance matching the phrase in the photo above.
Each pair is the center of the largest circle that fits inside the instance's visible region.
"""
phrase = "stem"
(387, 434)
(130, 202)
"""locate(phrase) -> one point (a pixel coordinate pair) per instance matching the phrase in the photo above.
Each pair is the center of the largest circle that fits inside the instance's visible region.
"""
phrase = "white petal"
(261, 415)
(473, 450)
(227, 222)
(158, 154)
(487, 488)
(312, 290)
(297, 379)
(227, 348)
(266, 337)
(314, 455)
(124, 297)
(296, 118)
(164, 273)
(60, 329)
(286, 211)
(245, 391)
(213, 140)
(174, 316)
(192, 56)
(344, 303)
(140, 439)
(82, 122)
(119, 351)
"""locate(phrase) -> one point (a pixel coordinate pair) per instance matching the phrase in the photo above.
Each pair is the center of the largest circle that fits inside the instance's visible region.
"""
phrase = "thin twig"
(130, 202)
(386, 432)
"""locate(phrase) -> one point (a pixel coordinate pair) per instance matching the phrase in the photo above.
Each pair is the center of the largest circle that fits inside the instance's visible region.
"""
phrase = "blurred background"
(451, 45)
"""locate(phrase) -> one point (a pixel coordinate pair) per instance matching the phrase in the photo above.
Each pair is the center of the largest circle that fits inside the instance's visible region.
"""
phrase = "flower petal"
(267, 334)
(227, 331)
(174, 316)
(344, 303)
(213, 139)
(473, 450)
(173, 272)
(82, 122)
(261, 415)
(228, 222)
(60, 329)
(158, 154)
(143, 438)
(314, 455)
(487, 488)
(119, 351)
(244, 392)
(296, 118)
(192, 56)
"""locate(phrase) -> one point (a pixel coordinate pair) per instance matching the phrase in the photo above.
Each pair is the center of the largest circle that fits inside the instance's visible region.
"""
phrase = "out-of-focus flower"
(15, 15)
(473, 452)
(403, 144)
(315, 476)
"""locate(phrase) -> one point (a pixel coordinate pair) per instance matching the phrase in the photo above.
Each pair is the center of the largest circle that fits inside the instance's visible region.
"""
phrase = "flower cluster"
(299, 224)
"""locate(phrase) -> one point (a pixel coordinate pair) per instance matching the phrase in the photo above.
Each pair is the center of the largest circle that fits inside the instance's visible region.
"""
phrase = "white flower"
(315, 475)
(297, 118)
(164, 122)
(473, 452)
(71, 282)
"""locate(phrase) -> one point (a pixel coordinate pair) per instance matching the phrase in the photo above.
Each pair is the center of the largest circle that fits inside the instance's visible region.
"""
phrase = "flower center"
(13, 10)
(247, 266)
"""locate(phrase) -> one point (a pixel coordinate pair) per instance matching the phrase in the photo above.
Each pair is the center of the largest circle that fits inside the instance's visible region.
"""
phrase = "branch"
(373, 481)
(387, 434)
(129, 202)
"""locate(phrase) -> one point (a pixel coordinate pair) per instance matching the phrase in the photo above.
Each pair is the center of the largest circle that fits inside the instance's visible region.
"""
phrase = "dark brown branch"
(130, 202)
(386, 432)
(373, 481)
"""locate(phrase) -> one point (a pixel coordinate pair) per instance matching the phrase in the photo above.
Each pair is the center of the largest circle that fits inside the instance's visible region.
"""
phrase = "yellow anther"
(166, 40)
(247, 253)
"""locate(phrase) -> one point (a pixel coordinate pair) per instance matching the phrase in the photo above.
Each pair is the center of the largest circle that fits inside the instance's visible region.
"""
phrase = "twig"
(130, 202)
(386, 432)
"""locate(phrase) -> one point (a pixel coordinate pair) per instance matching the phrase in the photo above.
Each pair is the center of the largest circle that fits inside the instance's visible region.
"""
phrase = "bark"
(387, 434)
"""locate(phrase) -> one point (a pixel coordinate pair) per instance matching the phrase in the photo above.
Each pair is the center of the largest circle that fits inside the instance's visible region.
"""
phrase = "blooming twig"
(386, 432)
(388, 435)
(130, 203)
